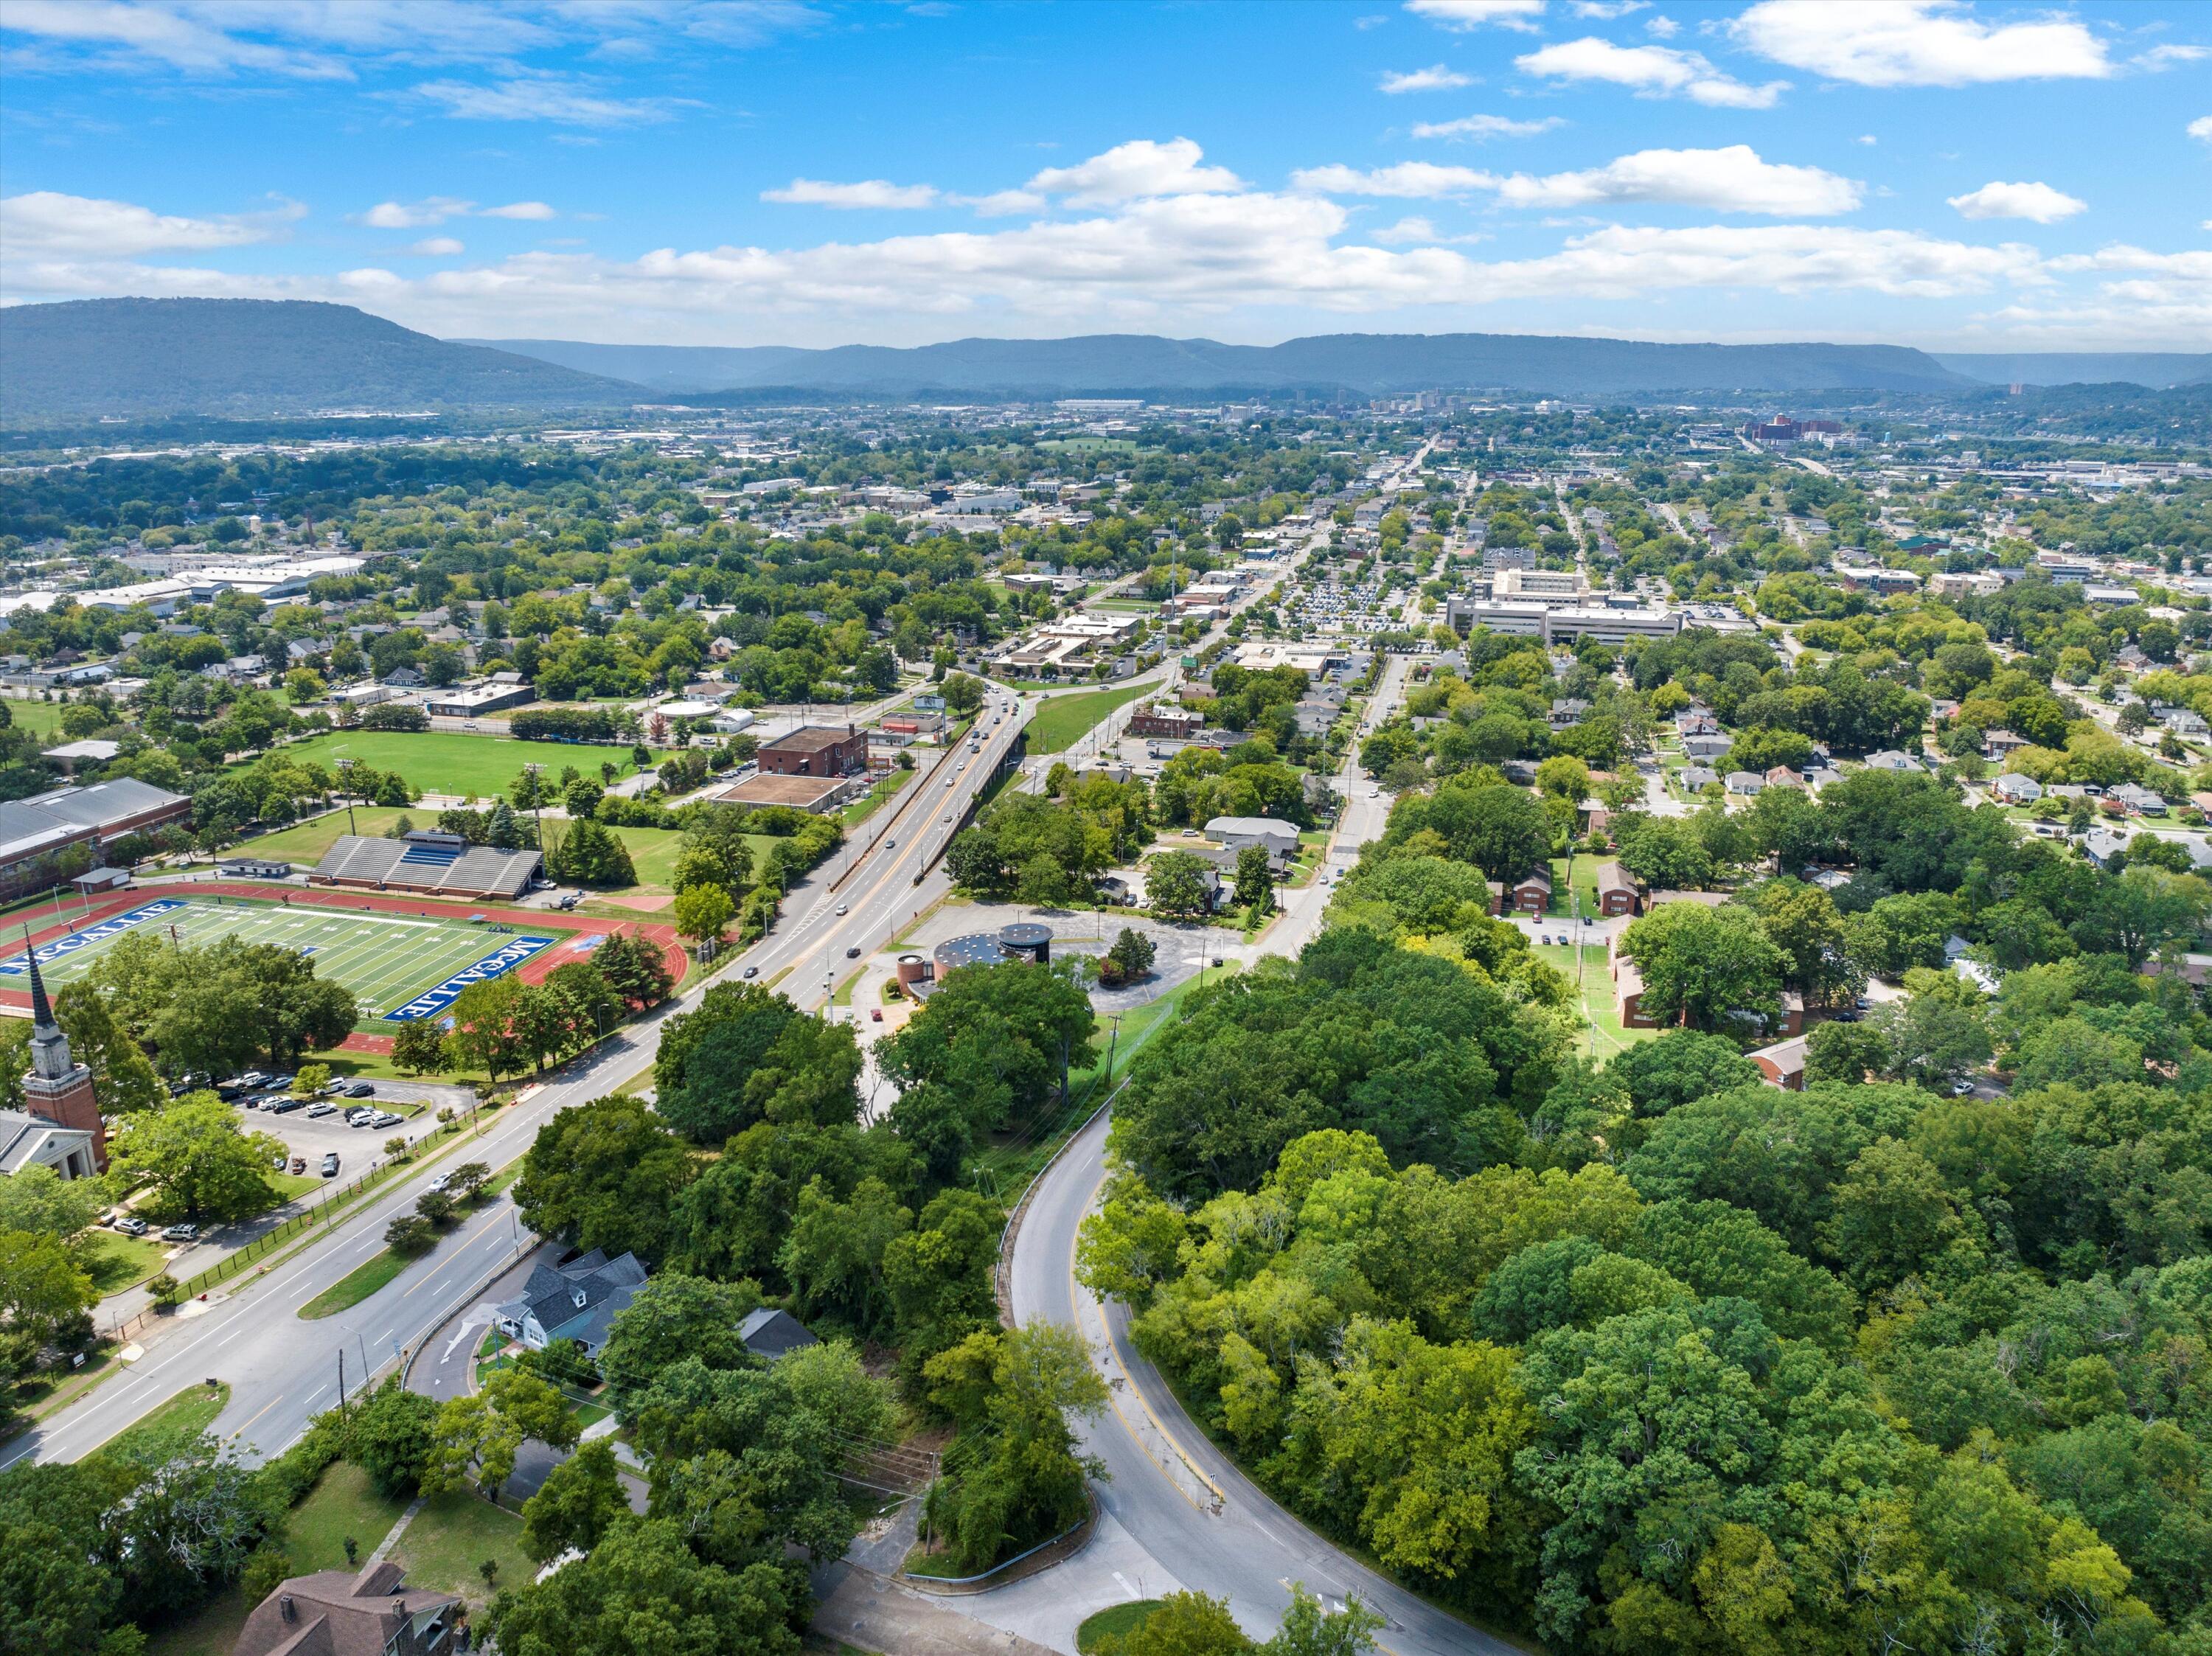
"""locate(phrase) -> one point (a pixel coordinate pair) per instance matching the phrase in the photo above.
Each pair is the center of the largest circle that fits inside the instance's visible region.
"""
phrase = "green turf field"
(454, 761)
(386, 960)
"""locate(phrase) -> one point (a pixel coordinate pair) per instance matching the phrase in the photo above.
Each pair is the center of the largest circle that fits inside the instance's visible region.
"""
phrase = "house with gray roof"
(577, 1302)
(769, 1333)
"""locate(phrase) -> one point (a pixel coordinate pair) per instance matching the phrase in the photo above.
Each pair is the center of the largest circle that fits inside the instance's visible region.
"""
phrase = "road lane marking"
(264, 1409)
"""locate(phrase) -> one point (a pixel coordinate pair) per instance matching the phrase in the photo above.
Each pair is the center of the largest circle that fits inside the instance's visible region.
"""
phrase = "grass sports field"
(453, 761)
(386, 960)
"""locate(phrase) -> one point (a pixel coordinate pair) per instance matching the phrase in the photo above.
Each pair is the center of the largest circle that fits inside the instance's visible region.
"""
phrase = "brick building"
(816, 750)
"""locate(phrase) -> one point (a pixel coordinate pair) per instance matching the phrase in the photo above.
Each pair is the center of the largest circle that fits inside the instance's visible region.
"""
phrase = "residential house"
(1531, 894)
(1783, 1063)
(340, 1613)
(1889, 759)
(769, 1333)
(1697, 778)
(1781, 776)
(2138, 801)
(1617, 893)
(2014, 789)
(1749, 783)
(1706, 746)
(577, 1302)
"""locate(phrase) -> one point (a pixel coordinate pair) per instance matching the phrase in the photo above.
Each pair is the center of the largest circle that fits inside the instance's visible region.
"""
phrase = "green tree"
(1132, 954)
(1016, 1391)
(390, 1435)
(44, 1298)
(703, 913)
(198, 1157)
(962, 693)
(581, 1499)
(604, 1175)
(418, 1047)
(480, 1433)
(643, 1588)
(673, 1316)
(1176, 883)
(486, 1034)
(121, 1079)
(1702, 966)
(1255, 880)
(36, 1198)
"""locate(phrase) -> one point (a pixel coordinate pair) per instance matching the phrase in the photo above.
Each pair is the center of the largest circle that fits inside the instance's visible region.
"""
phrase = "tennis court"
(400, 968)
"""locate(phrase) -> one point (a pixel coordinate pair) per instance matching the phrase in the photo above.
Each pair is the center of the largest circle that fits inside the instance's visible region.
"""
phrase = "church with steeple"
(58, 1089)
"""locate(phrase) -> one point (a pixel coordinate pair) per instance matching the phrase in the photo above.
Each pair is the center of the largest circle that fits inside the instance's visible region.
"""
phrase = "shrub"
(410, 1236)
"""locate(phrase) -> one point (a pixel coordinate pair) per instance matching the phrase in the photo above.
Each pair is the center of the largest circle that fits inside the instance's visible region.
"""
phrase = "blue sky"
(756, 171)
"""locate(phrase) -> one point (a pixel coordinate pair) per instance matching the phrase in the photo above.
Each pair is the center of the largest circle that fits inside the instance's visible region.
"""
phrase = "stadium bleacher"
(428, 861)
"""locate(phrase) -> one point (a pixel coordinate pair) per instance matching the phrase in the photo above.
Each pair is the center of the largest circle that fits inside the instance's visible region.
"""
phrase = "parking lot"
(313, 1136)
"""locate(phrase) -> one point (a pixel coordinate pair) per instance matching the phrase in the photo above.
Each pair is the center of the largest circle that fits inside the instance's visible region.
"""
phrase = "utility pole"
(342, 1384)
(346, 780)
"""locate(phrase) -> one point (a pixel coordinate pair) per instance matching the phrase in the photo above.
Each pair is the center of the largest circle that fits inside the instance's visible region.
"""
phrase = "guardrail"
(1002, 1276)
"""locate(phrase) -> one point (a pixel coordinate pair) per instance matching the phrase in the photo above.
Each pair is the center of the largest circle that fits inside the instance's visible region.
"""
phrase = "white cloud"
(1001, 203)
(2164, 58)
(436, 209)
(1918, 43)
(1730, 180)
(1866, 138)
(2201, 128)
(1404, 230)
(1434, 78)
(1665, 28)
(1413, 180)
(1653, 71)
(412, 216)
(437, 247)
(2037, 202)
(1485, 127)
(319, 39)
(542, 98)
(1474, 14)
(879, 193)
(1156, 262)
(1138, 168)
(1606, 9)
(47, 223)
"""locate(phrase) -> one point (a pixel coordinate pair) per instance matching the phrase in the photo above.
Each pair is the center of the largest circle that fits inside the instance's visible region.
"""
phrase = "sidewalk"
(871, 1613)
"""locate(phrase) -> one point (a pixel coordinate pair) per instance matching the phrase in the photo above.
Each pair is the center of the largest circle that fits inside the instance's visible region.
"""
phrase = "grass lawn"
(341, 1504)
(309, 842)
(356, 1285)
(116, 1262)
(193, 1410)
(1060, 721)
(454, 1534)
(454, 761)
(42, 718)
(652, 853)
(1594, 999)
(1117, 1621)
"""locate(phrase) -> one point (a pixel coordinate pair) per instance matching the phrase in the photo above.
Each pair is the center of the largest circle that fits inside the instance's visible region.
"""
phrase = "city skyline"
(1914, 171)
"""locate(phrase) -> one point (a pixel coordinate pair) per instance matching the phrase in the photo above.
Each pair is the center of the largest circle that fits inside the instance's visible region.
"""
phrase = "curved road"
(1181, 1499)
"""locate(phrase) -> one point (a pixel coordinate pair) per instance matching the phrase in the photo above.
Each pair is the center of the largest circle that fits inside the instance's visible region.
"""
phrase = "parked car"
(360, 1118)
(299, 1164)
(360, 1089)
(283, 1105)
(131, 1224)
(876, 1015)
(330, 1165)
(386, 1119)
(318, 1111)
(181, 1233)
(252, 1078)
(336, 1088)
(278, 1083)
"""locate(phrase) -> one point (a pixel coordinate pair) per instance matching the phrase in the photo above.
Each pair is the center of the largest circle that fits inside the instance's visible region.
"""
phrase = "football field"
(399, 966)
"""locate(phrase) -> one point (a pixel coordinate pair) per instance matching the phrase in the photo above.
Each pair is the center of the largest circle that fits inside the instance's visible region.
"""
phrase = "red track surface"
(77, 917)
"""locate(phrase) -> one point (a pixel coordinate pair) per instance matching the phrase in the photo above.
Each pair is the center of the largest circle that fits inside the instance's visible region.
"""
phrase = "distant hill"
(1106, 365)
(86, 358)
(2157, 369)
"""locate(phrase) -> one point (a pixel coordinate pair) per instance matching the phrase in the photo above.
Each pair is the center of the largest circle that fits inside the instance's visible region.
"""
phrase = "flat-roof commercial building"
(478, 699)
(35, 832)
(1563, 623)
(809, 793)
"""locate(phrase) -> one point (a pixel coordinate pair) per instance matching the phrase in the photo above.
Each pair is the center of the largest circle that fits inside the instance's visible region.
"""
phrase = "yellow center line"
(1135, 1390)
(264, 1409)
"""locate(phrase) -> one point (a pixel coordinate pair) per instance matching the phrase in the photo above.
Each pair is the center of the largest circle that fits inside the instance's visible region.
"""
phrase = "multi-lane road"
(282, 1370)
